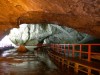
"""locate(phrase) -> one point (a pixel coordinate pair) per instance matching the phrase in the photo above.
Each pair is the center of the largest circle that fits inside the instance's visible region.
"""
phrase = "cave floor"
(29, 64)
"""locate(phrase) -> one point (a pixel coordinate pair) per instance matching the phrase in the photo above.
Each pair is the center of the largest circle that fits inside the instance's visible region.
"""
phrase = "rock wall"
(82, 15)
(32, 34)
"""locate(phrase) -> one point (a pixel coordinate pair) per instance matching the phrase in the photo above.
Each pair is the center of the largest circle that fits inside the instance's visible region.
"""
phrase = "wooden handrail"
(70, 49)
(60, 61)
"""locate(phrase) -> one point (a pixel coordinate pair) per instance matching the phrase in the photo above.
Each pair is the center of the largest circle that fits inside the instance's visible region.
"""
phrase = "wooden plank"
(97, 57)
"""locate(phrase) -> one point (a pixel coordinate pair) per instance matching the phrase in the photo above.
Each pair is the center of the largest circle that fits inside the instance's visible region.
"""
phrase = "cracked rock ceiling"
(82, 15)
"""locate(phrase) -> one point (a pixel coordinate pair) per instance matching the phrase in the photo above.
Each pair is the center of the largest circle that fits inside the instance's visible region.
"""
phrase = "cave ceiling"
(82, 15)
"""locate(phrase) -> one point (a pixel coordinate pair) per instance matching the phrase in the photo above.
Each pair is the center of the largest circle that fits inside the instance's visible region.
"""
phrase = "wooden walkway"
(89, 68)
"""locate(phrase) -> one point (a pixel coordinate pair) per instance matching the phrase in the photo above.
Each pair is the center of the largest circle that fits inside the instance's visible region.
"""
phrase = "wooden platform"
(76, 64)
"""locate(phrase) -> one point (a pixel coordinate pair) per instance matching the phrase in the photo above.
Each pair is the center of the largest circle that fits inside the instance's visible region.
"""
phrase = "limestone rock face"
(82, 15)
(22, 35)
(32, 34)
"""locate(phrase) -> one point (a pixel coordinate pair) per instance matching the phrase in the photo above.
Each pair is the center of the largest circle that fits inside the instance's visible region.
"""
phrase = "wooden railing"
(77, 50)
(80, 67)
(75, 56)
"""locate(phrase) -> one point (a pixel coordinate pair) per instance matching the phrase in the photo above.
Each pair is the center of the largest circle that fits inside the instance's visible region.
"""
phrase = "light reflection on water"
(40, 66)
(11, 51)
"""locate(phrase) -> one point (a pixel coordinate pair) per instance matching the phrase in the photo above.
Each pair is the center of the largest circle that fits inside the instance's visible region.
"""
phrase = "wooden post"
(89, 71)
(65, 49)
(62, 63)
(89, 52)
(68, 63)
(58, 48)
(73, 48)
(76, 67)
(68, 49)
(80, 51)
(53, 46)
